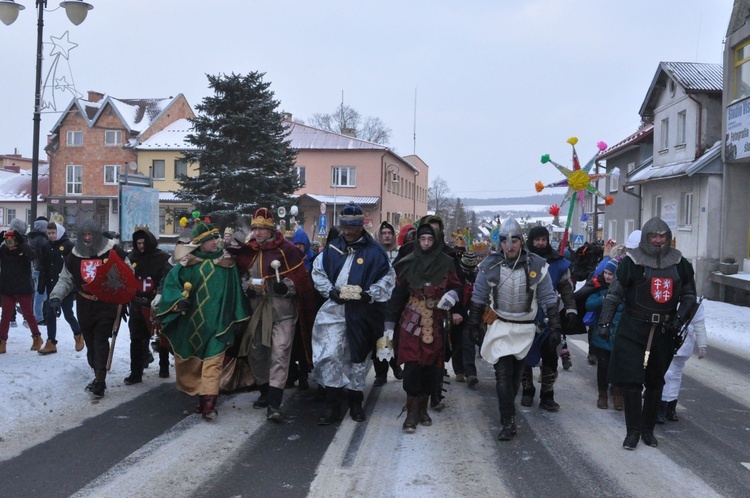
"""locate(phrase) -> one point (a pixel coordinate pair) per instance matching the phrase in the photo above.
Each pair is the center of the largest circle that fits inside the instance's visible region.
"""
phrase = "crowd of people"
(263, 312)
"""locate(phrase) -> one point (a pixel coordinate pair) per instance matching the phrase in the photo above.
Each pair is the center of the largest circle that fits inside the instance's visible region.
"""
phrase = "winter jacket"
(52, 260)
(300, 237)
(38, 241)
(15, 268)
(594, 304)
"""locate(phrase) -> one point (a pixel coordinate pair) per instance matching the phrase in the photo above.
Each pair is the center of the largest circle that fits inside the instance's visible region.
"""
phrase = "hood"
(18, 225)
(40, 226)
(151, 242)
(300, 237)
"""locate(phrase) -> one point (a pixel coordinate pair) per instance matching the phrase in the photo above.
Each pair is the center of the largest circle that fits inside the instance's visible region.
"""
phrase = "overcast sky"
(497, 83)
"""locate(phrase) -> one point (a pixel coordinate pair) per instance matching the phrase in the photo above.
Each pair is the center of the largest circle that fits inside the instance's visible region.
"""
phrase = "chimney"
(286, 116)
(14, 168)
(95, 96)
(349, 132)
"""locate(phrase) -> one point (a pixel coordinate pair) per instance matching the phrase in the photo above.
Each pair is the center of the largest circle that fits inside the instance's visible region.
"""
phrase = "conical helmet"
(510, 228)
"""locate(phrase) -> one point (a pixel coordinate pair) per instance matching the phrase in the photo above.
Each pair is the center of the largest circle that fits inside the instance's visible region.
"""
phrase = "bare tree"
(438, 199)
(345, 118)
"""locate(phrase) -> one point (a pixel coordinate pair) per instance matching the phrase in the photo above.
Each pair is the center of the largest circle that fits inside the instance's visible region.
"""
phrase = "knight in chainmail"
(512, 285)
(96, 317)
(652, 280)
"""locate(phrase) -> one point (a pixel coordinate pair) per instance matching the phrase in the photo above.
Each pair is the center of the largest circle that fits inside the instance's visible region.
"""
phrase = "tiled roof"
(643, 132)
(173, 137)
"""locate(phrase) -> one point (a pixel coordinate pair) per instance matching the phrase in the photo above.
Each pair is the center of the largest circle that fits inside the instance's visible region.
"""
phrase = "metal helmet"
(652, 226)
(510, 228)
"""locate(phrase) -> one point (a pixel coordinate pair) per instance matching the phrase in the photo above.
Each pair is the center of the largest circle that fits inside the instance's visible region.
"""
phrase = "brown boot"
(412, 415)
(79, 342)
(602, 401)
(617, 399)
(48, 348)
(424, 417)
(36, 345)
(2, 347)
(209, 407)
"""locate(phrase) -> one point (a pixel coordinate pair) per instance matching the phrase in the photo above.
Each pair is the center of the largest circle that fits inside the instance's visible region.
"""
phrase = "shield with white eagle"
(114, 281)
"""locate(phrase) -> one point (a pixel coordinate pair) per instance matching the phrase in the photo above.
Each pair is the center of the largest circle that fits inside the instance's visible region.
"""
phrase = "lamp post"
(394, 181)
(76, 11)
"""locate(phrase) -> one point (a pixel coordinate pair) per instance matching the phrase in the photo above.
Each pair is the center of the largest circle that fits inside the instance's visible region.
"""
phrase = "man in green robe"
(202, 309)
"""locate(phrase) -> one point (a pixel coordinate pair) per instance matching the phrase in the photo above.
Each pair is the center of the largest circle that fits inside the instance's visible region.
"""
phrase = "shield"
(662, 289)
(114, 282)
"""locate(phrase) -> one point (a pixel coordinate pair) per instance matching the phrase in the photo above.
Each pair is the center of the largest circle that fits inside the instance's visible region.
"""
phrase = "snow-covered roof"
(306, 137)
(344, 199)
(173, 137)
(693, 77)
(137, 115)
(16, 187)
(643, 132)
(708, 163)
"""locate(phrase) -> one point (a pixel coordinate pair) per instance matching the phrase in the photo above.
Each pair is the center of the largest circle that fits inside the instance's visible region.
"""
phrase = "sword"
(115, 329)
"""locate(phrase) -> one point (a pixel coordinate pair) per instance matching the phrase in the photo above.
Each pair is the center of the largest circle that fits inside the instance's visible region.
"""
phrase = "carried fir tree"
(244, 157)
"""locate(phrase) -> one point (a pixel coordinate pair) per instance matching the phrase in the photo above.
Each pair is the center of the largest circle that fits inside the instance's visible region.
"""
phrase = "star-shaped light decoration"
(62, 46)
(577, 180)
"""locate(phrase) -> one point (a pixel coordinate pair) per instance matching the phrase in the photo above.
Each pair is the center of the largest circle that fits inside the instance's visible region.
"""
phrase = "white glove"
(155, 302)
(701, 353)
(388, 334)
(388, 330)
(448, 300)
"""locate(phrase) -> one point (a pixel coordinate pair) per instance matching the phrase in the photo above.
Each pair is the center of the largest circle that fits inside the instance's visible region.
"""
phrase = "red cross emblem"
(662, 289)
(88, 269)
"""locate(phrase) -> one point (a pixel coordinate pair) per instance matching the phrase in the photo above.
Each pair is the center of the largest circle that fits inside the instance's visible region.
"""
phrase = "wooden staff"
(275, 264)
(115, 329)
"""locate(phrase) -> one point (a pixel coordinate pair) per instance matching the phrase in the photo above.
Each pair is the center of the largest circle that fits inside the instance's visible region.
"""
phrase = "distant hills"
(543, 199)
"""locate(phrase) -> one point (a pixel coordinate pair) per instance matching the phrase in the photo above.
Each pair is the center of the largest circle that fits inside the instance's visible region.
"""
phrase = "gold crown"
(141, 227)
(481, 247)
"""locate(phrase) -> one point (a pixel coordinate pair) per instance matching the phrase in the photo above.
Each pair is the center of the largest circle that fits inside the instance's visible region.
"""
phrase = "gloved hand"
(125, 312)
(250, 292)
(54, 305)
(448, 300)
(602, 329)
(335, 296)
(183, 305)
(280, 288)
(155, 302)
(701, 353)
(388, 329)
(365, 297)
(40, 286)
(474, 324)
(674, 325)
(571, 321)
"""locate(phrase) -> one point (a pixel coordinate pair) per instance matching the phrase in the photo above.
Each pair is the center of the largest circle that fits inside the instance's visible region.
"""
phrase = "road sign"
(322, 225)
(578, 240)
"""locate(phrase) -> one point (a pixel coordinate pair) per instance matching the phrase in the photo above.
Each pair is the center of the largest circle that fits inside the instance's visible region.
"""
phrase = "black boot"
(651, 400)
(527, 384)
(262, 401)
(661, 416)
(136, 363)
(632, 399)
(333, 412)
(412, 415)
(356, 411)
(100, 384)
(274, 397)
(163, 362)
(424, 417)
(547, 396)
(509, 427)
(672, 411)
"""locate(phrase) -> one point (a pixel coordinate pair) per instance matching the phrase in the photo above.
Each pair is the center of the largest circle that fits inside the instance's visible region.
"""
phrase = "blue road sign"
(578, 240)
(322, 225)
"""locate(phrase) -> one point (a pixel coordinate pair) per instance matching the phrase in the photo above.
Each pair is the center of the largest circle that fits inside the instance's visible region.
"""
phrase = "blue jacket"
(594, 305)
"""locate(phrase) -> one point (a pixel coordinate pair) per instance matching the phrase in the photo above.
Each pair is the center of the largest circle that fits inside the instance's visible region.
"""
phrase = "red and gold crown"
(263, 218)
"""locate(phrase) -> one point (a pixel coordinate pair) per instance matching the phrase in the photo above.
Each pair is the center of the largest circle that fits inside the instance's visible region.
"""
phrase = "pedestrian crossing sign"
(578, 239)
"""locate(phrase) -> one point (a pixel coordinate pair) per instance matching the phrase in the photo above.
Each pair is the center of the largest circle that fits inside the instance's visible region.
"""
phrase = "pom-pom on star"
(183, 222)
(554, 210)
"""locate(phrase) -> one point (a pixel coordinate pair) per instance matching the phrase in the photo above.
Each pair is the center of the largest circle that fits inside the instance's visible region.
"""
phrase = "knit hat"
(633, 240)
(469, 261)
(611, 266)
(203, 231)
(536, 232)
(352, 216)
(263, 218)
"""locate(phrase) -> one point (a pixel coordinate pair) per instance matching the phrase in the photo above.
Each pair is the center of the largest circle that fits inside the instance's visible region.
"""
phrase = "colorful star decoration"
(578, 180)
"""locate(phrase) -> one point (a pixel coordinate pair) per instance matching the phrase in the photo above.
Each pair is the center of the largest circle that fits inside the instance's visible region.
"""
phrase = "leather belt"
(514, 321)
(648, 317)
(88, 296)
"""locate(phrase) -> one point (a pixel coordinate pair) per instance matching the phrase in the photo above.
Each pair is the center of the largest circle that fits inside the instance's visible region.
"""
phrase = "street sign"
(323, 208)
(578, 240)
(322, 225)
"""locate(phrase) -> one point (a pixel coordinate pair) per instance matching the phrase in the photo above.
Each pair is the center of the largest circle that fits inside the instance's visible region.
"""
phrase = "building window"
(301, 174)
(612, 230)
(158, 166)
(28, 217)
(75, 139)
(180, 168)
(10, 214)
(686, 209)
(614, 182)
(664, 134)
(343, 176)
(73, 179)
(162, 220)
(631, 167)
(111, 174)
(657, 206)
(742, 71)
(681, 126)
(112, 138)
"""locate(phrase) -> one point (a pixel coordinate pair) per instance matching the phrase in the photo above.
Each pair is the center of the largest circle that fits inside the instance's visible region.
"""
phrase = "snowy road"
(143, 441)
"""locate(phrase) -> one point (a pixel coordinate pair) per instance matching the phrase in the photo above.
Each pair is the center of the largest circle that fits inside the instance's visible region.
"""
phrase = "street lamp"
(76, 11)
(394, 181)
